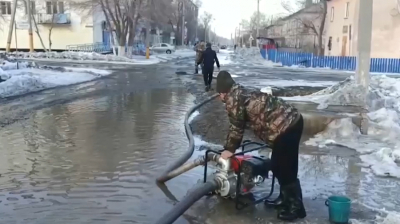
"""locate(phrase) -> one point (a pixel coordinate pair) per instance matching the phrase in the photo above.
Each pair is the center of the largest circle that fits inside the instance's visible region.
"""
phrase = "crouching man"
(275, 122)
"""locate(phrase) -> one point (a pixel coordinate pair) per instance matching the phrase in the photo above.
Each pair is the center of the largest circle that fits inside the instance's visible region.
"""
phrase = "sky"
(229, 13)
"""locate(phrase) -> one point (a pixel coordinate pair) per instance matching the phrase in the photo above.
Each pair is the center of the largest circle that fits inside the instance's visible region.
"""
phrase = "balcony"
(60, 18)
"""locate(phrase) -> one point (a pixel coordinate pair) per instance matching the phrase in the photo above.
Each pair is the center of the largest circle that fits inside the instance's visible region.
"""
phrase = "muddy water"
(93, 160)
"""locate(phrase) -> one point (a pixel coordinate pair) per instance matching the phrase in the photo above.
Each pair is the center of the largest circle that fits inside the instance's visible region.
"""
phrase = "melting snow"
(25, 80)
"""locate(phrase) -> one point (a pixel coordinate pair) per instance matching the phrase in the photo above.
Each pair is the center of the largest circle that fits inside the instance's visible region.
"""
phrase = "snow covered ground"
(380, 148)
(85, 57)
(29, 78)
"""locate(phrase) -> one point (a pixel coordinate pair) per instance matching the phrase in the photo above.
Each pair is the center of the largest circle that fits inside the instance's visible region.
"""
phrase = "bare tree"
(206, 19)
(122, 16)
(38, 33)
(36, 28)
(315, 21)
(175, 20)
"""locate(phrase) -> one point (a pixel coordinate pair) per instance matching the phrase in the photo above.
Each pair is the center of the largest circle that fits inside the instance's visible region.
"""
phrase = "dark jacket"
(267, 115)
(208, 58)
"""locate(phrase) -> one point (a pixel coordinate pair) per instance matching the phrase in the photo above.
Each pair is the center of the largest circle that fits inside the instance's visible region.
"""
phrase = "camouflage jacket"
(267, 115)
(200, 48)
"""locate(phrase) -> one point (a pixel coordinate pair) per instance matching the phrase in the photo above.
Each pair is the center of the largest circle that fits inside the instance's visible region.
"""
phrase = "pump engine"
(240, 174)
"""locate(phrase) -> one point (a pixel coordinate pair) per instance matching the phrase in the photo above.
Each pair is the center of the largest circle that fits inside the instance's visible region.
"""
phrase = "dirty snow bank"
(252, 56)
(95, 57)
(379, 146)
(32, 78)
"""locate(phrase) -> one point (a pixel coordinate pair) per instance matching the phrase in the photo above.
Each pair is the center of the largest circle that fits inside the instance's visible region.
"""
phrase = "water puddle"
(94, 159)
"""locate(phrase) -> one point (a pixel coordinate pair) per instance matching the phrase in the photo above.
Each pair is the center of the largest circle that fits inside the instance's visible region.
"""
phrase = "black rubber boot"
(277, 203)
(293, 203)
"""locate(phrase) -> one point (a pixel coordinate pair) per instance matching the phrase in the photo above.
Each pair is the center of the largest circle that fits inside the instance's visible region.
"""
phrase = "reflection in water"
(96, 159)
(93, 159)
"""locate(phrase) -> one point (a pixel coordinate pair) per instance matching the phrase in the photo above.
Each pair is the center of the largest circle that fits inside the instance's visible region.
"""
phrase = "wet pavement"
(90, 153)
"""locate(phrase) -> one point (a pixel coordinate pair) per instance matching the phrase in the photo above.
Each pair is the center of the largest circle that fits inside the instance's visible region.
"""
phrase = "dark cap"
(208, 45)
(224, 82)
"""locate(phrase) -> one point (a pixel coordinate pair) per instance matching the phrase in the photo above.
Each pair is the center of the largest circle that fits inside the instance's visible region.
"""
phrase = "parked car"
(223, 47)
(163, 48)
(215, 48)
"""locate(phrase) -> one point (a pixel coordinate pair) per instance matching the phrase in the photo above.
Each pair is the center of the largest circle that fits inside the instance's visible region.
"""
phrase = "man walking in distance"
(208, 58)
(200, 47)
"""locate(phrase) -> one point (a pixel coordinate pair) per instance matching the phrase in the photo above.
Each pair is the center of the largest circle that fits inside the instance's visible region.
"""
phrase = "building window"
(5, 8)
(332, 13)
(54, 7)
(33, 8)
(346, 11)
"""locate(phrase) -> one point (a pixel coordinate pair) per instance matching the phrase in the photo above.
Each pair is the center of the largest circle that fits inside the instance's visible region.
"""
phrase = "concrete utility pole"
(30, 26)
(364, 42)
(10, 29)
(183, 22)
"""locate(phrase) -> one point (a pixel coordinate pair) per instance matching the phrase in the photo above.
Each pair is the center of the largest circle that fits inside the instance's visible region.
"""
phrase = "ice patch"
(390, 218)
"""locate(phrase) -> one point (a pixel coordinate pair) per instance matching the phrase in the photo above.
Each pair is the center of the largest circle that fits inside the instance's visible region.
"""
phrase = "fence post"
(276, 54)
(387, 65)
(312, 57)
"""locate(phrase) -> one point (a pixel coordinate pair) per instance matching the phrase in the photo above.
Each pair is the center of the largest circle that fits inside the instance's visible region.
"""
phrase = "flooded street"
(90, 153)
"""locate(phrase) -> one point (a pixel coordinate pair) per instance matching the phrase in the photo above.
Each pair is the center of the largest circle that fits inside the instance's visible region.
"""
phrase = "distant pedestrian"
(208, 58)
(200, 48)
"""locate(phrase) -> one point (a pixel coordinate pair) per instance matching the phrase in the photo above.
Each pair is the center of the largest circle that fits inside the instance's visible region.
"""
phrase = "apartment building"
(67, 25)
(295, 32)
(342, 28)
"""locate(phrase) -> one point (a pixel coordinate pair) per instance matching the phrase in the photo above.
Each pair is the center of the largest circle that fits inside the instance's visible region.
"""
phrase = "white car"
(215, 48)
(163, 48)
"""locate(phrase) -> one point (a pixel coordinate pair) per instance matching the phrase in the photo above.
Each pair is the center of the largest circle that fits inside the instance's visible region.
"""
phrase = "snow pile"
(6, 65)
(72, 56)
(92, 56)
(252, 55)
(383, 92)
(379, 146)
(26, 80)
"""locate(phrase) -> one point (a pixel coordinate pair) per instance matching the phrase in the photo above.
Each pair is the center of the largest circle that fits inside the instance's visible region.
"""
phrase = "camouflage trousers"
(196, 67)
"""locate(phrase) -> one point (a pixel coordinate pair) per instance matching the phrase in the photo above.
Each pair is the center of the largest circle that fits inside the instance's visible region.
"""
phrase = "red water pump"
(239, 175)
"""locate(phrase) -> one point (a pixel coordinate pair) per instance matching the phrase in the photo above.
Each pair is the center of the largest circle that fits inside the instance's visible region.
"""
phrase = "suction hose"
(164, 177)
(188, 201)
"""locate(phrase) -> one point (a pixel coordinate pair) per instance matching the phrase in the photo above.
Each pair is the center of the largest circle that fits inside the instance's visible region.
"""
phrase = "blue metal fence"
(386, 65)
